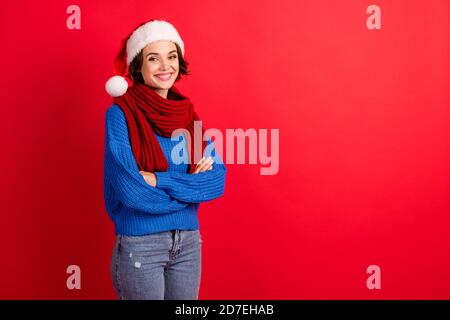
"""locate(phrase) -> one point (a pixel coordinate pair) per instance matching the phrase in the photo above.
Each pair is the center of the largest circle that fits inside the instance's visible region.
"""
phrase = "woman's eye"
(153, 59)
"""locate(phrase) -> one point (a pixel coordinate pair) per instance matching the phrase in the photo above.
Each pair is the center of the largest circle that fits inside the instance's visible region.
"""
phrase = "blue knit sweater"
(137, 208)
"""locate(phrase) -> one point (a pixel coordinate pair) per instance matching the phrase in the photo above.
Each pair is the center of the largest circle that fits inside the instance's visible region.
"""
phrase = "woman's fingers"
(197, 167)
(150, 178)
(204, 164)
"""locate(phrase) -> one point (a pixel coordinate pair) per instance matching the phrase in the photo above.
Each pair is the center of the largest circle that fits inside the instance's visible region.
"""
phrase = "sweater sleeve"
(195, 188)
(129, 185)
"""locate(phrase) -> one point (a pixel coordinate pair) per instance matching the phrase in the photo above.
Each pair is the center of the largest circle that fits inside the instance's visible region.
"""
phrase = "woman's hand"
(149, 177)
(204, 165)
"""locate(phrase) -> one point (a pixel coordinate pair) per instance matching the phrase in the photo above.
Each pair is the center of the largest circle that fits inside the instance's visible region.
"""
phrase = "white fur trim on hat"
(150, 32)
(116, 86)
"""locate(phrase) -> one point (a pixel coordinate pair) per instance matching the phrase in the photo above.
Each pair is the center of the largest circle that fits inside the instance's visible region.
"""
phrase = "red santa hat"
(146, 33)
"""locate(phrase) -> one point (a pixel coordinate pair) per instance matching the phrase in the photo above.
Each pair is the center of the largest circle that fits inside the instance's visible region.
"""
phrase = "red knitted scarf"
(147, 113)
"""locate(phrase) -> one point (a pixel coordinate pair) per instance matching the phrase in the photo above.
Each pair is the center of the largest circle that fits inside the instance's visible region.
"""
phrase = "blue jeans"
(164, 265)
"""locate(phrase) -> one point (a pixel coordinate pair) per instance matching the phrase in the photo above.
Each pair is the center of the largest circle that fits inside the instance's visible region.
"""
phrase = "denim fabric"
(164, 265)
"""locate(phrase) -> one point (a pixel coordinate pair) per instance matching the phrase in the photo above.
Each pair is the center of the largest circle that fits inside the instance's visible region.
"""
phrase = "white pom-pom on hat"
(116, 86)
(146, 33)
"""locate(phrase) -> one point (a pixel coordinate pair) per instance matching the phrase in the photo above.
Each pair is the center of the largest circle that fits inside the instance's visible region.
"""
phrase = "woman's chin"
(162, 85)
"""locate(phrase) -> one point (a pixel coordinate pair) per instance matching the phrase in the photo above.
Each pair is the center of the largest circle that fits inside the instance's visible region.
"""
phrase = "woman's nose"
(164, 64)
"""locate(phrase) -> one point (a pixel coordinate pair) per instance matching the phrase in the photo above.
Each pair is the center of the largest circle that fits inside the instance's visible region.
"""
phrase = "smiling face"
(160, 66)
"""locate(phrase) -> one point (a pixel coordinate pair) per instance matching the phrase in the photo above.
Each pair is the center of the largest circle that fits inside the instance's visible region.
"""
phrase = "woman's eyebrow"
(158, 53)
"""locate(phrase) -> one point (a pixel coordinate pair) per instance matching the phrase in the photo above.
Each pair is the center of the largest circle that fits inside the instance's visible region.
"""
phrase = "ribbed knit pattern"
(135, 207)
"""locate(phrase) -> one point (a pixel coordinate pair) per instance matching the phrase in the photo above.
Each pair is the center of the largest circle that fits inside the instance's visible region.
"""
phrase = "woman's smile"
(164, 76)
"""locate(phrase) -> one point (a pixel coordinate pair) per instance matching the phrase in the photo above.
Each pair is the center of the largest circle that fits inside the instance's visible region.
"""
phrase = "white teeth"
(164, 76)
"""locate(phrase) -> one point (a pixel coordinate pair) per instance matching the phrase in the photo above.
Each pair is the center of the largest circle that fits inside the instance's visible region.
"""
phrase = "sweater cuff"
(162, 179)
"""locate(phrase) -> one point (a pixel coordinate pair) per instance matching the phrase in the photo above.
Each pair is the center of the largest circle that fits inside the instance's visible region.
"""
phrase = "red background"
(364, 145)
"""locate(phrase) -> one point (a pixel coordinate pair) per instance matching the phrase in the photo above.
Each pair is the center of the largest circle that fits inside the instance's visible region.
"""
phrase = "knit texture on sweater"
(135, 207)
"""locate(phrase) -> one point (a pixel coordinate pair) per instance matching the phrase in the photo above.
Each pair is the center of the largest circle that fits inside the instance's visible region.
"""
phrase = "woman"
(154, 179)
